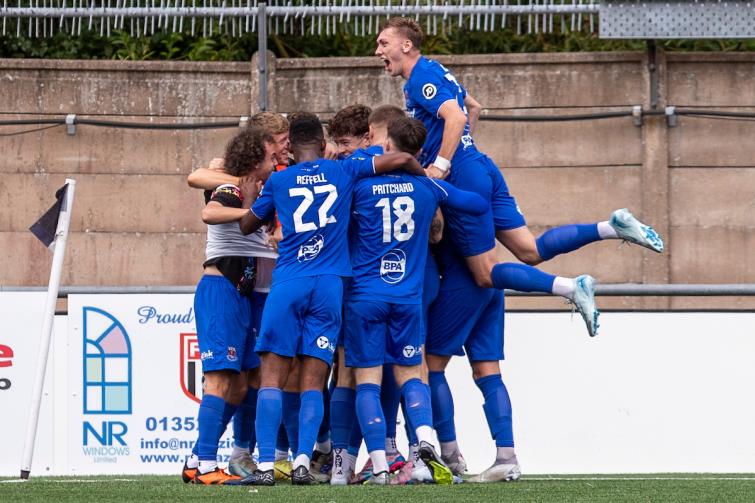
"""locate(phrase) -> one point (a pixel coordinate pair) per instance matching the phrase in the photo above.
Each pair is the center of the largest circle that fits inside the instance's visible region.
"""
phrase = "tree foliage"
(224, 47)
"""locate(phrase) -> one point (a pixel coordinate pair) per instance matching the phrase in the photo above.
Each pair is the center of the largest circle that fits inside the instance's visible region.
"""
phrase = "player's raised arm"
(400, 160)
(462, 200)
(209, 179)
(453, 127)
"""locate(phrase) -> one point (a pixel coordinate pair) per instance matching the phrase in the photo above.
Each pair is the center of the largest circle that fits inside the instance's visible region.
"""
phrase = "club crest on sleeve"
(429, 91)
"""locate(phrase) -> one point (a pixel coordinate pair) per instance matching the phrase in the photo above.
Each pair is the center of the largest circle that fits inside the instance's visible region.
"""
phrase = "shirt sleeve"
(457, 199)
(264, 206)
(228, 195)
(430, 91)
(358, 167)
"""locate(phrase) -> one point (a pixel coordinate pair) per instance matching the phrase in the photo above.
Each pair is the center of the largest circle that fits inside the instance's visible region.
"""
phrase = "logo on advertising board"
(107, 385)
(6, 360)
(191, 367)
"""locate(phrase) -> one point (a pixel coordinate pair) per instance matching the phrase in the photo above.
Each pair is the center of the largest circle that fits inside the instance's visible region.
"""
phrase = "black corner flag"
(47, 225)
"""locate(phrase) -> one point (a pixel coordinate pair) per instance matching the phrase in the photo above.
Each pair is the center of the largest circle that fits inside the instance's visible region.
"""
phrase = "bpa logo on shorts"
(311, 248)
(393, 266)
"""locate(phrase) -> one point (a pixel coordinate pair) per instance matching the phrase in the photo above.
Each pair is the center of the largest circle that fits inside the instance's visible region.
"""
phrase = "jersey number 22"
(309, 198)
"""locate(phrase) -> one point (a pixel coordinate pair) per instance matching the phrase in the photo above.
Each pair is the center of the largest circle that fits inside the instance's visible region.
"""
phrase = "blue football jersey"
(428, 87)
(313, 201)
(390, 230)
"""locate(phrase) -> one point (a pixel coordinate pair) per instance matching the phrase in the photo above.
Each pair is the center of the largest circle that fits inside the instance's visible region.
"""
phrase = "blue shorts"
(378, 333)
(257, 301)
(475, 234)
(468, 318)
(224, 326)
(302, 317)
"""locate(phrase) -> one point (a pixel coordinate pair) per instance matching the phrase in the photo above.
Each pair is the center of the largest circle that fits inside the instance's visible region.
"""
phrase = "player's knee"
(482, 369)
(483, 280)
(529, 256)
(218, 384)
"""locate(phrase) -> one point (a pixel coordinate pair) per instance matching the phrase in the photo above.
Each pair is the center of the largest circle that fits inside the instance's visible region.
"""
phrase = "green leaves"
(344, 42)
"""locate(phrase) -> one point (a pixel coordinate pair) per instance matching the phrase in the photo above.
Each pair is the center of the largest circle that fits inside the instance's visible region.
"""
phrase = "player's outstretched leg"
(497, 409)
(567, 238)
(443, 421)
(579, 290)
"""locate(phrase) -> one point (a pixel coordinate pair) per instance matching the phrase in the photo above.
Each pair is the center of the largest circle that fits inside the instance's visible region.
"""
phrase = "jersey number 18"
(402, 229)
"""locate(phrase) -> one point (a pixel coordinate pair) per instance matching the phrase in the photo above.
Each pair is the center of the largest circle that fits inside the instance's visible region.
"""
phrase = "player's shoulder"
(227, 189)
(432, 185)
(427, 69)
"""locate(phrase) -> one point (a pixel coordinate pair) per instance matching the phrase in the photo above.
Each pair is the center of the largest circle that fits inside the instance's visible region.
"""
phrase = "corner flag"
(45, 228)
(52, 230)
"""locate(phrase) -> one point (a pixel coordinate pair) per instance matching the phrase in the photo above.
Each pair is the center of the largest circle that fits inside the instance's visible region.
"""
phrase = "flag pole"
(59, 250)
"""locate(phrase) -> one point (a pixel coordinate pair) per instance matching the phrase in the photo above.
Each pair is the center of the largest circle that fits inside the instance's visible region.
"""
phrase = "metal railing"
(42, 18)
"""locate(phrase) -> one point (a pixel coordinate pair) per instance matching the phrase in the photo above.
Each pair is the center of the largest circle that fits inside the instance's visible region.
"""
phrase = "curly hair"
(407, 134)
(246, 150)
(350, 121)
(408, 28)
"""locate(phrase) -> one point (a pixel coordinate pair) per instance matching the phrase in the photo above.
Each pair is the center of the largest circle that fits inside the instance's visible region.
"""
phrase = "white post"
(59, 249)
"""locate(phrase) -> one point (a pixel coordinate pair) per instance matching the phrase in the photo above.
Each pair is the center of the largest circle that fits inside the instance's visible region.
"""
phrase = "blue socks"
(281, 443)
(342, 413)
(310, 418)
(355, 440)
(269, 411)
(520, 277)
(411, 433)
(443, 407)
(324, 433)
(390, 398)
(371, 418)
(211, 425)
(243, 421)
(565, 239)
(291, 406)
(417, 400)
(497, 409)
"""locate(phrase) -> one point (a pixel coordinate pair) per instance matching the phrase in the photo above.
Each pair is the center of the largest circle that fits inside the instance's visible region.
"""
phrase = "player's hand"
(217, 164)
(433, 172)
(250, 187)
(331, 151)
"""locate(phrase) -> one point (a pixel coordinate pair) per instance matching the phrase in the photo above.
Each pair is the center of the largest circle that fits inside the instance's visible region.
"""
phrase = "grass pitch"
(630, 488)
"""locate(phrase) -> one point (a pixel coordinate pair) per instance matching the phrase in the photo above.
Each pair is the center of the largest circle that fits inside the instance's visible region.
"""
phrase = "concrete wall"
(135, 221)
